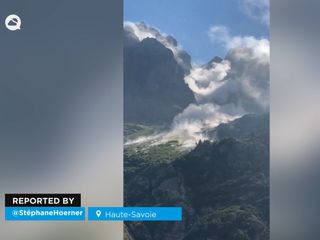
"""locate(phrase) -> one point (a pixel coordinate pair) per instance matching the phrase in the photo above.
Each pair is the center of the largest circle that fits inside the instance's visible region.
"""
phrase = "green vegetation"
(238, 222)
(132, 130)
(165, 152)
(222, 186)
(142, 157)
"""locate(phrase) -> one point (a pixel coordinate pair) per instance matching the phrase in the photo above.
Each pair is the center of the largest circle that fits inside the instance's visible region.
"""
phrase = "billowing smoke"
(243, 76)
(190, 126)
(204, 81)
(225, 89)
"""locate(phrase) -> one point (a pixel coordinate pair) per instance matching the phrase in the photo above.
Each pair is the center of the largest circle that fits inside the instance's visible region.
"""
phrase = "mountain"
(250, 124)
(222, 185)
(154, 87)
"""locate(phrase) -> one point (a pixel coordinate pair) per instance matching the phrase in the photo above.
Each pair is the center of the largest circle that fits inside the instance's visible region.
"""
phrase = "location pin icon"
(98, 212)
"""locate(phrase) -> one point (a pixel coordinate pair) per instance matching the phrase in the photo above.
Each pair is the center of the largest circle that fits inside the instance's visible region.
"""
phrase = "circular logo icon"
(13, 22)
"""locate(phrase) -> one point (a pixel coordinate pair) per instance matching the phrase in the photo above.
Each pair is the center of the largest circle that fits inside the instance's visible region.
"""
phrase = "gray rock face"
(154, 87)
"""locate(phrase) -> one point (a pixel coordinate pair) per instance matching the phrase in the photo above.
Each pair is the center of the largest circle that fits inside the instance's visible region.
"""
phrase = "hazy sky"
(189, 21)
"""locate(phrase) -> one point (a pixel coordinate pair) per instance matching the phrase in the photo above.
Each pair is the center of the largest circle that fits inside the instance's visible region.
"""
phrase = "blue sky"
(189, 21)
